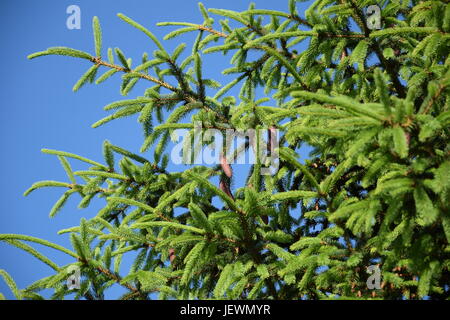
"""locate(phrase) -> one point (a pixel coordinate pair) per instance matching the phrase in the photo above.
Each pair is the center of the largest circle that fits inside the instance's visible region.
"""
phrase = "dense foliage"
(372, 104)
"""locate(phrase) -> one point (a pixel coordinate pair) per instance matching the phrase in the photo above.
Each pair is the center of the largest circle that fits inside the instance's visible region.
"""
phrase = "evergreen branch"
(124, 112)
(141, 28)
(132, 202)
(280, 14)
(300, 194)
(131, 155)
(138, 204)
(34, 253)
(197, 26)
(342, 101)
(440, 89)
(38, 241)
(246, 74)
(284, 61)
(300, 33)
(238, 17)
(359, 18)
(74, 156)
(279, 35)
(397, 30)
(230, 14)
(143, 225)
(204, 182)
(67, 168)
(97, 36)
(61, 201)
(380, 155)
(122, 103)
(47, 183)
(101, 174)
(11, 284)
(113, 276)
(62, 51)
(189, 98)
(136, 74)
(288, 157)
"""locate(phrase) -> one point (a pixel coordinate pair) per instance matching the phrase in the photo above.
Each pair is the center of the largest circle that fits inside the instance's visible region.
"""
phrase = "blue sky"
(39, 109)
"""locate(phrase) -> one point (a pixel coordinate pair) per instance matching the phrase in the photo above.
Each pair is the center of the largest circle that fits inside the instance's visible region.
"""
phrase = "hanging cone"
(172, 255)
(225, 188)
(226, 168)
(271, 132)
(265, 219)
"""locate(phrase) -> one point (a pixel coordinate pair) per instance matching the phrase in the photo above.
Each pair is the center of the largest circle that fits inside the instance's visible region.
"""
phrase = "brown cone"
(225, 166)
(172, 255)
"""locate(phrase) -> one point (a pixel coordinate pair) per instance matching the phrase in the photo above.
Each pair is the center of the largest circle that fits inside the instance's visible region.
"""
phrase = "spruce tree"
(372, 103)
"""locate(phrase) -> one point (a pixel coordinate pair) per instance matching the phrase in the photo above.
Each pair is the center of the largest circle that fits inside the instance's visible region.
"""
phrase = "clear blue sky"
(39, 110)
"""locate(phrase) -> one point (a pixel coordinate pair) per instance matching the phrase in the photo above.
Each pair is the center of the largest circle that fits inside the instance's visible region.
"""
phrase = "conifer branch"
(372, 189)
(137, 74)
(439, 91)
(198, 26)
(360, 19)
